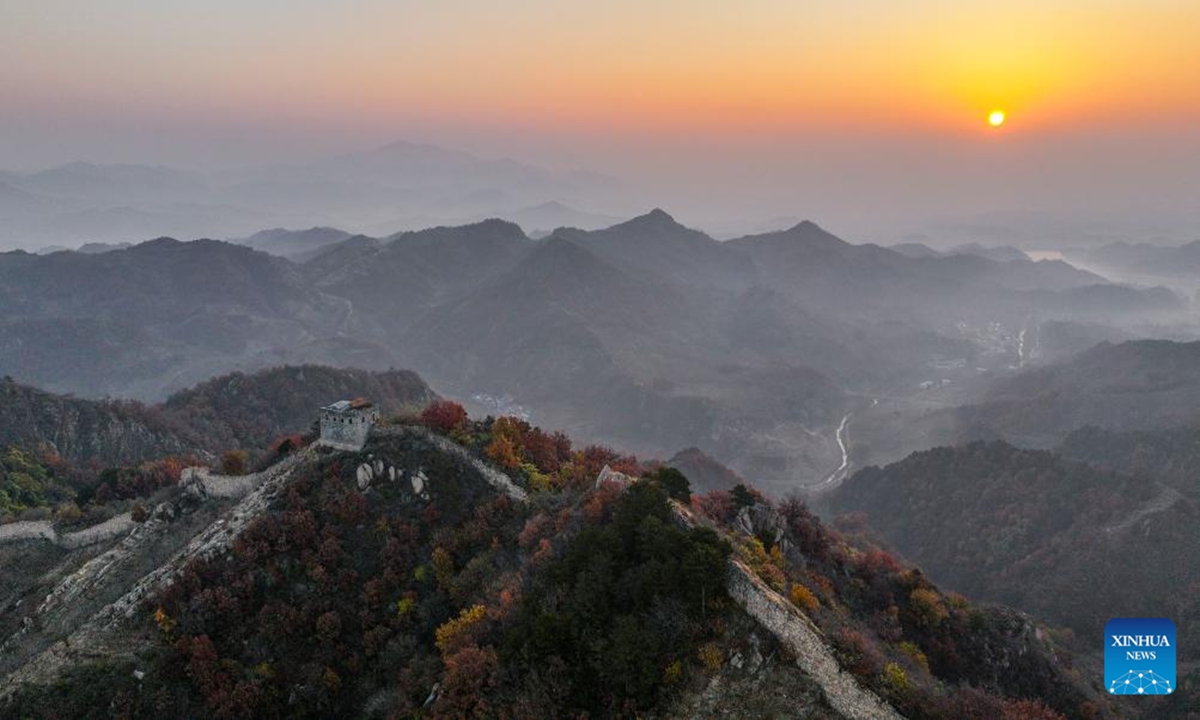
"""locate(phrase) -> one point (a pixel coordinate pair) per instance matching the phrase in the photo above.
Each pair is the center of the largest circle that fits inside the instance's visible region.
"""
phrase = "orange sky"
(620, 64)
(237, 79)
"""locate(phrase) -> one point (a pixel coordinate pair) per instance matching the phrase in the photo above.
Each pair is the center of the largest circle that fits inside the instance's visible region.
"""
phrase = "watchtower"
(346, 424)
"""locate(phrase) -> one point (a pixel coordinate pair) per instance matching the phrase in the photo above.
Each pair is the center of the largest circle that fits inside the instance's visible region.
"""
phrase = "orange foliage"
(803, 598)
(503, 451)
(457, 632)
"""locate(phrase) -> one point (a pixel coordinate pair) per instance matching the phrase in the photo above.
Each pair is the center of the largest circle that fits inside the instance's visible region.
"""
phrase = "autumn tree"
(444, 416)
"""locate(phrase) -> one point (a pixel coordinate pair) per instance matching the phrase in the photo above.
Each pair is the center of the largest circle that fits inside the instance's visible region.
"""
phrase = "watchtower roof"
(342, 406)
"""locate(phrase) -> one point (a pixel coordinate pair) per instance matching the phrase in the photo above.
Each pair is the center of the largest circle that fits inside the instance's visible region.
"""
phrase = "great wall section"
(98, 636)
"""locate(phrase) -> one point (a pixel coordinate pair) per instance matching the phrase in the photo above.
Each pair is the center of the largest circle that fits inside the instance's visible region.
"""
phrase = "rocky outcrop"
(764, 522)
(608, 475)
(492, 476)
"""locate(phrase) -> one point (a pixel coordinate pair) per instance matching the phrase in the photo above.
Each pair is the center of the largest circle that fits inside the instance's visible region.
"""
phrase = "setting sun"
(996, 118)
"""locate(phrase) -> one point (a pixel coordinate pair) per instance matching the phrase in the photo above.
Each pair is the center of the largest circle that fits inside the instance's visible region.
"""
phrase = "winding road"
(842, 436)
(843, 441)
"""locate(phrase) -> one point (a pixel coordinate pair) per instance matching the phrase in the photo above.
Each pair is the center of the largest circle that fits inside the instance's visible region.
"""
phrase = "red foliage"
(593, 458)
(717, 505)
(879, 563)
(599, 504)
(329, 625)
(811, 538)
(471, 673)
(444, 416)
(286, 444)
(546, 452)
(858, 654)
(535, 528)
(204, 666)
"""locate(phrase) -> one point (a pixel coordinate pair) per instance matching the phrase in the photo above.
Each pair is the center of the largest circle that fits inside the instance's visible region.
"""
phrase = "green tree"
(673, 482)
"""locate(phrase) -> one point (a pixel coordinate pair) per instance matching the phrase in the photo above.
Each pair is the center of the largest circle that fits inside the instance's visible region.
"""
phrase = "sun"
(996, 118)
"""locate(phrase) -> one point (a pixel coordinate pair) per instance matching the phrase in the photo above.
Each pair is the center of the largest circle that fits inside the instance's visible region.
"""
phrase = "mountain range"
(401, 185)
(646, 334)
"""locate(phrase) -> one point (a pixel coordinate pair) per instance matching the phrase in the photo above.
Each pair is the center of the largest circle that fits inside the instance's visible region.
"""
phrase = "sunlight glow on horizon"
(869, 64)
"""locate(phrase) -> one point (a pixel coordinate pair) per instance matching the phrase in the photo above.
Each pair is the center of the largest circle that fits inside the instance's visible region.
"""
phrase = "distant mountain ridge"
(83, 202)
(1142, 258)
(742, 348)
(1136, 385)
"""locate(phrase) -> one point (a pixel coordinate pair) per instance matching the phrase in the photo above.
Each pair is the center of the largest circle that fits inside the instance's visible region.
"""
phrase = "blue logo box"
(1139, 656)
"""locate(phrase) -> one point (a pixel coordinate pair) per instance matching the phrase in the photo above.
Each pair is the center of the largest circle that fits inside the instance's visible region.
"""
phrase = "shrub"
(804, 599)
(68, 513)
(742, 497)
(927, 606)
(894, 678)
(914, 652)
(710, 656)
(673, 482)
(234, 462)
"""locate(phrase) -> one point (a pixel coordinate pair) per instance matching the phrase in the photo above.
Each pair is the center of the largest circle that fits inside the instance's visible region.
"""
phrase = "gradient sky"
(859, 112)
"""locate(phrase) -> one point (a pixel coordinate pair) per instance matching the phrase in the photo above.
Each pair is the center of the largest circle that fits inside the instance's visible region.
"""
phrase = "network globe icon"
(1140, 682)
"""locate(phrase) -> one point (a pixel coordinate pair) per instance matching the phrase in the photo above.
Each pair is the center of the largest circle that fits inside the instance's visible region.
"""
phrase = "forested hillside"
(428, 592)
(1069, 542)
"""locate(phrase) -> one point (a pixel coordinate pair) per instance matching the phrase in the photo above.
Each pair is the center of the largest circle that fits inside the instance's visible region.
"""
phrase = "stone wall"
(787, 623)
(492, 476)
(203, 483)
(102, 634)
(44, 530)
(796, 632)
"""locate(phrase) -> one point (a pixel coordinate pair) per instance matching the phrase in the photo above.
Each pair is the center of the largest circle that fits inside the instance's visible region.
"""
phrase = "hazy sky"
(858, 112)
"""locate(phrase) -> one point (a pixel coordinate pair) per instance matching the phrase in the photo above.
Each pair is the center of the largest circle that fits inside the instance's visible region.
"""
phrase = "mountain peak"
(658, 216)
(656, 220)
(806, 226)
(813, 234)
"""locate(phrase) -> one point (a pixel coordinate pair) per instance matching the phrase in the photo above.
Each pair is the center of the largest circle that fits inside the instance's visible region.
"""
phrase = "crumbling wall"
(44, 530)
(787, 623)
(99, 635)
